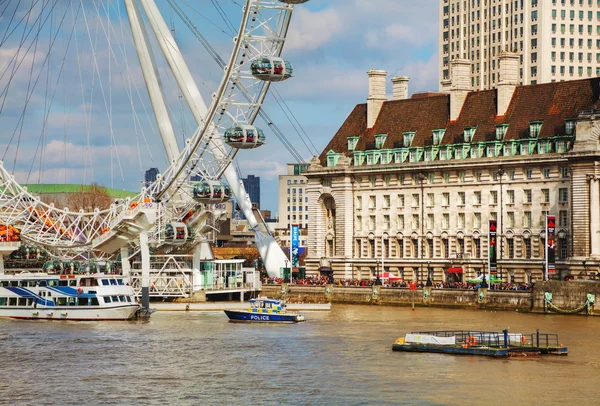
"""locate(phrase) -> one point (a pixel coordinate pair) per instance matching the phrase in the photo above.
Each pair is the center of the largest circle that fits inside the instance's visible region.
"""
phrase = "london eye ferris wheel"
(91, 90)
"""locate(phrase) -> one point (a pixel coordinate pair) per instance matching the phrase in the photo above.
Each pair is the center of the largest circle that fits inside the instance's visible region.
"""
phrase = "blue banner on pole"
(295, 245)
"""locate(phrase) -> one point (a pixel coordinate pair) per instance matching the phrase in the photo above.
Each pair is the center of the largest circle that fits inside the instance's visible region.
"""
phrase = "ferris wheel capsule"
(271, 69)
(244, 137)
(293, 1)
(209, 192)
(176, 233)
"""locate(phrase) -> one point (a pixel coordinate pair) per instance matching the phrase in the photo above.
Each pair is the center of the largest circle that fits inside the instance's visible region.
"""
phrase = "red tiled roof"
(550, 103)
(354, 126)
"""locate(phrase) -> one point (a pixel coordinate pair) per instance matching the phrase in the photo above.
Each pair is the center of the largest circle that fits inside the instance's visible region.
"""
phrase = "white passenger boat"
(44, 296)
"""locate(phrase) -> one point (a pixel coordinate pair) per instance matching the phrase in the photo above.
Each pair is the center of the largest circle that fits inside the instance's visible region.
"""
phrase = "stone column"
(595, 217)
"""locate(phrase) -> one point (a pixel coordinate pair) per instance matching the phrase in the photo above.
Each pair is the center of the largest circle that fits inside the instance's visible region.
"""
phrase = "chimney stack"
(508, 81)
(460, 73)
(377, 95)
(400, 87)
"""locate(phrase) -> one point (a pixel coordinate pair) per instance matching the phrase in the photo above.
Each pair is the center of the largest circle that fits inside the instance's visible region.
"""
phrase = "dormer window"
(534, 129)
(569, 127)
(380, 140)
(438, 135)
(352, 141)
(501, 131)
(332, 158)
(469, 133)
(408, 138)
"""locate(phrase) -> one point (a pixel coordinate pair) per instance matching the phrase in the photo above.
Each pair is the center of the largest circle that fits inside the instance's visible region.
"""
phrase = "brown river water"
(339, 357)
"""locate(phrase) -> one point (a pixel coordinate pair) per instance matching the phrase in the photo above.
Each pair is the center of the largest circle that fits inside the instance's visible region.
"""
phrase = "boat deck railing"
(496, 339)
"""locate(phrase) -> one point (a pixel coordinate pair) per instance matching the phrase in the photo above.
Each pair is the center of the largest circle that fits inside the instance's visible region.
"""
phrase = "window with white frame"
(461, 198)
(400, 200)
(527, 219)
(430, 221)
(527, 244)
(372, 223)
(477, 197)
(460, 223)
(401, 221)
(476, 220)
(510, 219)
(563, 195)
(408, 138)
(386, 201)
(358, 202)
(528, 196)
(529, 173)
(386, 222)
(372, 202)
(430, 199)
(477, 246)
(493, 196)
(415, 200)
(563, 219)
(445, 221)
(534, 129)
(445, 199)
(511, 196)
(510, 243)
(415, 221)
(546, 173)
(545, 195)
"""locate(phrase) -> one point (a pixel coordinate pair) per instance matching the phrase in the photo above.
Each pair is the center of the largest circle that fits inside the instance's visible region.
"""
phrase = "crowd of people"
(324, 280)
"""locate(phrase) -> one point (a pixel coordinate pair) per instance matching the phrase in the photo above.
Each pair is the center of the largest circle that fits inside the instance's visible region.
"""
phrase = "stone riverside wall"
(566, 295)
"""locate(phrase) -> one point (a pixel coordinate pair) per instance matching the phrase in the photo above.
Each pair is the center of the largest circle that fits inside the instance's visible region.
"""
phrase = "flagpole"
(546, 249)
(382, 258)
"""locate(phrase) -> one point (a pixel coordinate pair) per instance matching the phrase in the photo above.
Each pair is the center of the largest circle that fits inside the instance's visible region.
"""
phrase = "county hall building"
(409, 184)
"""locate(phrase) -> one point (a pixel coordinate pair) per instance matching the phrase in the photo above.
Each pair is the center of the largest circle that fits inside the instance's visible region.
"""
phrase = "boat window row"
(58, 301)
(118, 299)
(111, 282)
(66, 301)
(59, 282)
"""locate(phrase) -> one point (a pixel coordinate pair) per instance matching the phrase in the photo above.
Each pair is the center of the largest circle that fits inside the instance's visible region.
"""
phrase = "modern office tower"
(555, 40)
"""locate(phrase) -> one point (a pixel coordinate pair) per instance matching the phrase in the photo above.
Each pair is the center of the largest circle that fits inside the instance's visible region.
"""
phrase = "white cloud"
(311, 30)
(267, 169)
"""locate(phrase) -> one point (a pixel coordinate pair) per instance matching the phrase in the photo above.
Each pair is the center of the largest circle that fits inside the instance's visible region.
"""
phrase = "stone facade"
(423, 207)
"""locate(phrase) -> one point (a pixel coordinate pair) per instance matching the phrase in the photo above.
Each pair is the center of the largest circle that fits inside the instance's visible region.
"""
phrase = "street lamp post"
(429, 282)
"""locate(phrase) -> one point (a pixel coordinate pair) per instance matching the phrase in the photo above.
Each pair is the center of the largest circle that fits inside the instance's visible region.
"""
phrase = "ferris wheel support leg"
(145, 251)
(152, 80)
(126, 266)
(1, 264)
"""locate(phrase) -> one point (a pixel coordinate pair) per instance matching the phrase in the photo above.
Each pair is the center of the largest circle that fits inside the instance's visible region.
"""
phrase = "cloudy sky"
(332, 44)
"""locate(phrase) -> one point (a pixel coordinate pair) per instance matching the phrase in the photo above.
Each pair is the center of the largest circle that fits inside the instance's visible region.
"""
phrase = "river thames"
(339, 357)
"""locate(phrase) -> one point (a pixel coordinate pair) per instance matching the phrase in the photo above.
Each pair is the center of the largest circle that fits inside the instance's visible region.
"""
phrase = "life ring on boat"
(471, 340)
(523, 340)
(79, 291)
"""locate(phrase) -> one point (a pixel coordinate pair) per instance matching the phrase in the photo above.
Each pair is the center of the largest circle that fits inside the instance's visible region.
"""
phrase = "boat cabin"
(244, 137)
(266, 305)
(271, 69)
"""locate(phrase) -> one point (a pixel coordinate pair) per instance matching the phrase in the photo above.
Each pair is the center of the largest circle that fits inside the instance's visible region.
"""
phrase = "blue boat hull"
(250, 317)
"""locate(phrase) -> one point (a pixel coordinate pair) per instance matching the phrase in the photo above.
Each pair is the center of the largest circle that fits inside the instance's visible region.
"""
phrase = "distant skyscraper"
(151, 175)
(252, 185)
